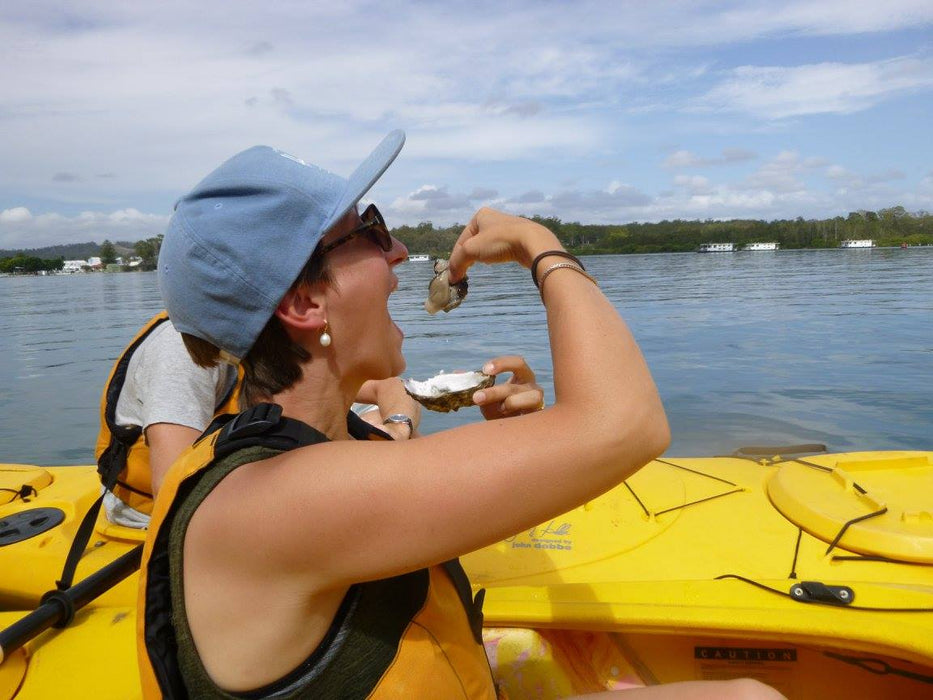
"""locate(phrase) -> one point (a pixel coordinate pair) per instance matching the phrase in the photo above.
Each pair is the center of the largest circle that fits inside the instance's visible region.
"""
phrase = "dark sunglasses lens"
(380, 236)
(376, 228)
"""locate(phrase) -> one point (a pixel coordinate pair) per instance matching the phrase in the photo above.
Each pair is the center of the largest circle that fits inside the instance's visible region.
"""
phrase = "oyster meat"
(442, 295)
(448, 392)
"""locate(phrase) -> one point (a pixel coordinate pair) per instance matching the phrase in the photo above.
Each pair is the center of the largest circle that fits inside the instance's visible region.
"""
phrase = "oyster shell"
(448, 392)
(442, 295)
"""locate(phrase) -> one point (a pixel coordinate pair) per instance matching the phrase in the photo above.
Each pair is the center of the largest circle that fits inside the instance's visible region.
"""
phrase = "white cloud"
(697, 184)
(682, 159)
(771, 92)
(850, 181)
(431, 202)
(688, 159)
(15, 215)
(829, 17)
(21, 229)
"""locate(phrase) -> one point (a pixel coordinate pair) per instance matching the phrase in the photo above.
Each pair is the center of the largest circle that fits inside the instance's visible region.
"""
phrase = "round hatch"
(863, 503)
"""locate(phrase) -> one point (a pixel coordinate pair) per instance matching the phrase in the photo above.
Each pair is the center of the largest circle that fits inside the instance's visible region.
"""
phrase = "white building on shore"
(72, 266)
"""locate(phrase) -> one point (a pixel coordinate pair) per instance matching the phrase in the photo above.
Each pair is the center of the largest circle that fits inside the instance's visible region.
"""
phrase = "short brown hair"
(274, 362)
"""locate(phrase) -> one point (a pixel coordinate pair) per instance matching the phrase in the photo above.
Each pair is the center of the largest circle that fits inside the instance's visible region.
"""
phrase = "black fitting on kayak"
(24, 492)
(66, 605)
(816, 592)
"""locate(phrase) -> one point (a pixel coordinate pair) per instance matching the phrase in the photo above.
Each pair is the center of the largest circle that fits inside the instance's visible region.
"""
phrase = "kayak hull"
(95, 658)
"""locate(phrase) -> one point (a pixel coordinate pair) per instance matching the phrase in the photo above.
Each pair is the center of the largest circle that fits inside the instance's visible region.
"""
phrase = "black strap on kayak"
(736, 489)
(853, 521)
(78, 545)
(109, 466)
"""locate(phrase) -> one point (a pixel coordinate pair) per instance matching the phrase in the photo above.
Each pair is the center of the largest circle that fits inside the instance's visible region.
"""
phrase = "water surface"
(832, 346)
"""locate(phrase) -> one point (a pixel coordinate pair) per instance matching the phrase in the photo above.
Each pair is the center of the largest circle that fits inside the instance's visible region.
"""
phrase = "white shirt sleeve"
(163, 385)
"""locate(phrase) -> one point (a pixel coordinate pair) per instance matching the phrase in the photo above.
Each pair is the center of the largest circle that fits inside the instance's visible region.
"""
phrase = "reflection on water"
(746, 348)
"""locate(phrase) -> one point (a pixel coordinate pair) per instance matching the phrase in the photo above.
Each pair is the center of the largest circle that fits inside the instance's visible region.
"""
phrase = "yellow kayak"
(812, 573)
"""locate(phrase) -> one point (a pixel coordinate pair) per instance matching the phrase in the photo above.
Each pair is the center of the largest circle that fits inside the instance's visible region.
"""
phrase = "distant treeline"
(29, 265)
(52, 258)
(887, 227)
(70, 251)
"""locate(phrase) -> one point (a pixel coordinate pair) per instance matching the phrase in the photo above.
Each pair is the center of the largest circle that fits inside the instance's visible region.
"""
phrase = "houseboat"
(419, 258)
(716, 248)
(858, 243)
(772, 245)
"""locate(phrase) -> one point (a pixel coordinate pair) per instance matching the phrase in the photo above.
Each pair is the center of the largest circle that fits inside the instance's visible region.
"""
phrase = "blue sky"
(599, 112)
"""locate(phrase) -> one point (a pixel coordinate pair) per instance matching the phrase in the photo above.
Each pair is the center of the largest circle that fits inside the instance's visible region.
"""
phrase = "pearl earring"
(325, 336)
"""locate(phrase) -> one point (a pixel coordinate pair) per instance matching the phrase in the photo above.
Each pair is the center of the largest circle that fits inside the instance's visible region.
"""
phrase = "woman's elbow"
(650, 435)
(662, 436)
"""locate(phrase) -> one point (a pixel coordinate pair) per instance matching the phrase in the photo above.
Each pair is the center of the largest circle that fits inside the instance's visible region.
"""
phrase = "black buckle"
(257, 420)
(816, 592)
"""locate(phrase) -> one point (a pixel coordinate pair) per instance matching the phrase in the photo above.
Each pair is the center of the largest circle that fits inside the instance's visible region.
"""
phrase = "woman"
(288, 559)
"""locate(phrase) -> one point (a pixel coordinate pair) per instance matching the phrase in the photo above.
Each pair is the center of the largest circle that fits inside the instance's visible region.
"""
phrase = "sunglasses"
(373, 227)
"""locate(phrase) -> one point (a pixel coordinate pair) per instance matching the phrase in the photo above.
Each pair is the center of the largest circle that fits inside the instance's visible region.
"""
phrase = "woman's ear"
(302, 309)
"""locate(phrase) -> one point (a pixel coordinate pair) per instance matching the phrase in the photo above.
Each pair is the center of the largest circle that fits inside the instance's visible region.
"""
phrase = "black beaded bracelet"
(557, 253)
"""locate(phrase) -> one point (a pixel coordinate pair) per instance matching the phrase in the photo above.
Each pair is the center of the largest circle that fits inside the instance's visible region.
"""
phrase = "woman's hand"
(494, 237)
(519, 395)
(390, 397)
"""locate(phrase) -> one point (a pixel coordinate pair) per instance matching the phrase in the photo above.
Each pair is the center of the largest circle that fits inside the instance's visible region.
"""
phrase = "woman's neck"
(320, 404)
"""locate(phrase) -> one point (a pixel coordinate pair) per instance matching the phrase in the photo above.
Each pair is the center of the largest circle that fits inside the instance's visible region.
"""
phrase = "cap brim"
(365, 176)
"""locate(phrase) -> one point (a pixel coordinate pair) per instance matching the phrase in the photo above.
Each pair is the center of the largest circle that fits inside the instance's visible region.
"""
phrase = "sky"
(598, 112)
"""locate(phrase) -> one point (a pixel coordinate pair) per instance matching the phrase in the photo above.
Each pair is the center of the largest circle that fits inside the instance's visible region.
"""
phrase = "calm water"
(747, 348)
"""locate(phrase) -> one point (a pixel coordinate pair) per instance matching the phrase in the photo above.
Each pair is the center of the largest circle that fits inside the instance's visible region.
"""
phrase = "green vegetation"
(29, 265)
(888, 227)
(148, 251)
(108, 254)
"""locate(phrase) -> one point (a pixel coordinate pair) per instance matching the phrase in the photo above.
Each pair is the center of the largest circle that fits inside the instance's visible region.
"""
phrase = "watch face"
(400, 418)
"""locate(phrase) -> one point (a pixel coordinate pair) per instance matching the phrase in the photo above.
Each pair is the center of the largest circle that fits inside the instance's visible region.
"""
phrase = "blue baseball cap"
(239, 239)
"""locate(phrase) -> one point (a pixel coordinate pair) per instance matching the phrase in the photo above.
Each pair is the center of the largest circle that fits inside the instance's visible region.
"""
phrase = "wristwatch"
(401, 418)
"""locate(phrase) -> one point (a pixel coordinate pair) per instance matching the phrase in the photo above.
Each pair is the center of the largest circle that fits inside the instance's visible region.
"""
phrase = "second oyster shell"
(448, 391)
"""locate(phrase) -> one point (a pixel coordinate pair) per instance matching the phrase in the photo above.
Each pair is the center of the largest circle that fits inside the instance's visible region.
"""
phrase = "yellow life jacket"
(418, 635)
(122, 453)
